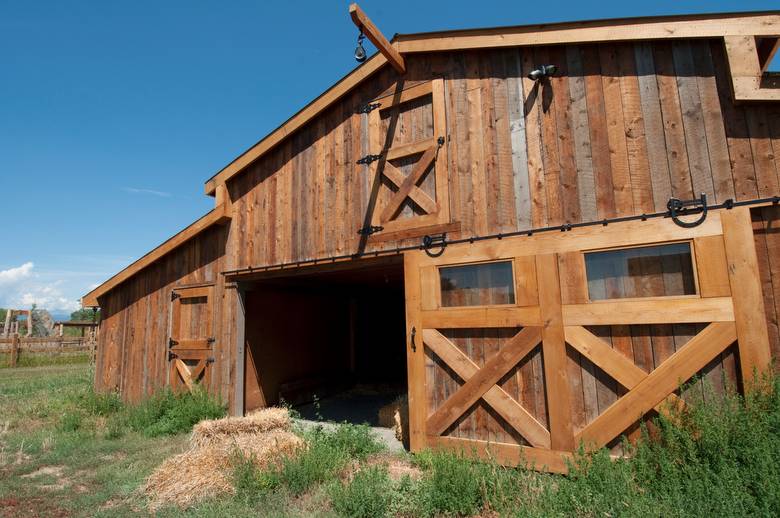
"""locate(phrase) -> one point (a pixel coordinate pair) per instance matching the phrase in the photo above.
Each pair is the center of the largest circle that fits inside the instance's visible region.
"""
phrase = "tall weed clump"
(719, 456)
(455, 486)
(369, 494)
(168, 413)
(326, 454)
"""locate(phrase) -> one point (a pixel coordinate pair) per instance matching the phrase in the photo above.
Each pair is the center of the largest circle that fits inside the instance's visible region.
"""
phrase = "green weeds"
(166, 413)
(369, 494)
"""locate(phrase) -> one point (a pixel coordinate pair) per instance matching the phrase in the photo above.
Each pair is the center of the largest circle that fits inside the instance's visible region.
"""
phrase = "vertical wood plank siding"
(623, 128)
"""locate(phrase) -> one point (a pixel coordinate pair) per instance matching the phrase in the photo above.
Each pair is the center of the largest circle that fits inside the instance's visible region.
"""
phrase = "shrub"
(100, 404)
(251, 484)
(320, 461)
(720, 457)
(166, 413)
(355, 441)
(451, 485)
(368, 495)
(114, 429)
(327, 453)
(70, 421)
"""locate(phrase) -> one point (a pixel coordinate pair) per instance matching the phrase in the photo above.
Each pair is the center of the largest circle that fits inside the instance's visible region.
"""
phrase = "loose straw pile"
(205, 470)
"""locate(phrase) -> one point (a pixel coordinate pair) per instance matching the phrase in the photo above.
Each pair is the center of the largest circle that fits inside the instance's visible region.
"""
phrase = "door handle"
(414, 333)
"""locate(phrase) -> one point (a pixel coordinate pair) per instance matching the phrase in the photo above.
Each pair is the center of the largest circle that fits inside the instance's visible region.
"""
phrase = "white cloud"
(22, 286)
(15, 275)
(134, 190)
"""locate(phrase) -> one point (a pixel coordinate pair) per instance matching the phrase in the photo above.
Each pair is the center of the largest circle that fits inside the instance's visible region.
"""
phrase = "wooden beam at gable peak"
(376, 37)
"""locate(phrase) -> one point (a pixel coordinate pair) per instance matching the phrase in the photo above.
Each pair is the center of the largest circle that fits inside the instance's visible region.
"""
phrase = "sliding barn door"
(191, 342)
(408, 161)
(526, 347)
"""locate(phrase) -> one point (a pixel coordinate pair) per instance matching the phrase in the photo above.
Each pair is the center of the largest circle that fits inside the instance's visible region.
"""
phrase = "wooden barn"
(539, 232)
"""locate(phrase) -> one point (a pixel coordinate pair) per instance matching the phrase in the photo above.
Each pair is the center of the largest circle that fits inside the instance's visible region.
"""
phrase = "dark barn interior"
(329, 343)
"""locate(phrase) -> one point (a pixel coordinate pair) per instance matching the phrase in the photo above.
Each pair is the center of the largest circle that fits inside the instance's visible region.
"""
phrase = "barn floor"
(385, 435)
(358, 405)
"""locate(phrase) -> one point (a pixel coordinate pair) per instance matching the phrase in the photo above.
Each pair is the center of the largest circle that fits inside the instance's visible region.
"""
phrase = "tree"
(85, 315)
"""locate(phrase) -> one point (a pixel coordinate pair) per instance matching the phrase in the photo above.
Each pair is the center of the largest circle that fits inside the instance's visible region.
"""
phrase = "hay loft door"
(191, 342)
(524, 348)
(408, 136)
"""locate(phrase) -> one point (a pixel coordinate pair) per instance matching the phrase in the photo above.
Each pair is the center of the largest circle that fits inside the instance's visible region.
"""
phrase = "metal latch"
(211, 340)
(368, 159)
(172, 342)
(370, 229)
(174, 296)
(368, 107)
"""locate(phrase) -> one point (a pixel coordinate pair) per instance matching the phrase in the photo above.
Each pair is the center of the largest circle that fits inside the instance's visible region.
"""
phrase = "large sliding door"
(524, 348)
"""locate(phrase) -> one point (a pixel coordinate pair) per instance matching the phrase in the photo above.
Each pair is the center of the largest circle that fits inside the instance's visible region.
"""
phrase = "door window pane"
(477, 284)
(648, 271)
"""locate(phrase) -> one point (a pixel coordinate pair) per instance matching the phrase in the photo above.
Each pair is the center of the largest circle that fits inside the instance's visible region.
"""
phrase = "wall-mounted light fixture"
(360, 52)
(543, 72)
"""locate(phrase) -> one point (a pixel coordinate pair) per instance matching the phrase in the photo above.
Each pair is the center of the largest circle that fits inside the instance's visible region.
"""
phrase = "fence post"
(14, 351)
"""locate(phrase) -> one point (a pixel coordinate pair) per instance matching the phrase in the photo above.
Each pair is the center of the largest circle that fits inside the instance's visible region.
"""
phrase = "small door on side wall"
(191, 342)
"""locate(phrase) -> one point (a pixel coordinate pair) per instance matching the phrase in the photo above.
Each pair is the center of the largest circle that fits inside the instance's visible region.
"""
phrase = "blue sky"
(114, 114)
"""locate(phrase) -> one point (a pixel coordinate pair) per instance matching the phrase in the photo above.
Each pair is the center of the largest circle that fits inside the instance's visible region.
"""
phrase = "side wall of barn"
(132, 353)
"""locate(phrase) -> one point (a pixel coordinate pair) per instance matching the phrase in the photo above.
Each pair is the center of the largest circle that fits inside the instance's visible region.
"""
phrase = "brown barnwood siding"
(624, 127)
(131, 355)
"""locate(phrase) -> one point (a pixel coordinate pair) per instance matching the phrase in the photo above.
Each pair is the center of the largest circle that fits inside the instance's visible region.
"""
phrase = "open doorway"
(330, 343)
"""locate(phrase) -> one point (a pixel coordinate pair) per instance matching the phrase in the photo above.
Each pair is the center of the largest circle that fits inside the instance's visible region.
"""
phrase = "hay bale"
(187, 478)
(396, 416)
(259, 421)
(205, 470)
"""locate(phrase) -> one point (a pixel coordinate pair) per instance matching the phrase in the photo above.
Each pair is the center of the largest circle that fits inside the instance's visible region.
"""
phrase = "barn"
(536, 232)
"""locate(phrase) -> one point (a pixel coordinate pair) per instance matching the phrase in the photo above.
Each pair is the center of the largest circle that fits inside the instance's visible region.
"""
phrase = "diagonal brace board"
(623, 370)
(394, 204)
(475, 387)
(417, 195)
(653, 389)
(184, 372)
(509, 409)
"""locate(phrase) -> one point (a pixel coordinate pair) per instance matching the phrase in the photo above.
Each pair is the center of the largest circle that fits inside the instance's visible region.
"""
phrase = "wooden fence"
(15, 347)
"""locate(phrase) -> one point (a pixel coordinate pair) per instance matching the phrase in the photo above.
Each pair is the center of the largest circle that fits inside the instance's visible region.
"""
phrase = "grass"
(90, 453)
(40, 360)
(51, 420)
